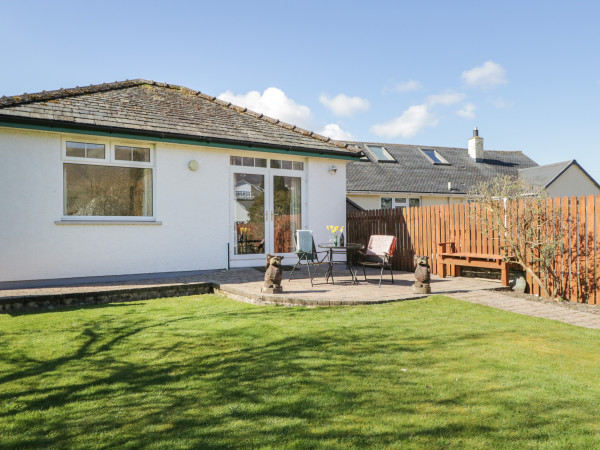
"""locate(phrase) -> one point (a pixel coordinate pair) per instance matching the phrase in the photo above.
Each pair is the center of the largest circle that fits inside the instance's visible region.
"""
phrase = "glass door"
(266, 207)
(286, 210)
(249, 213)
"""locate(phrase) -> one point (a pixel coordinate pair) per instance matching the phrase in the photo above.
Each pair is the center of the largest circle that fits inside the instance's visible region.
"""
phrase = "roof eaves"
(64, 93)
(66, 126)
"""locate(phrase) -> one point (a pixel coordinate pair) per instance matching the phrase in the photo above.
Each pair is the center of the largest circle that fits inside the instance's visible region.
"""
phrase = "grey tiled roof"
(414, 172)
(160, 109)
(544, 175)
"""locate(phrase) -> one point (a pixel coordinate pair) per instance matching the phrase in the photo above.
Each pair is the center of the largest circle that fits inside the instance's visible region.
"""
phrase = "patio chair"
(379, 254)
(307, 252)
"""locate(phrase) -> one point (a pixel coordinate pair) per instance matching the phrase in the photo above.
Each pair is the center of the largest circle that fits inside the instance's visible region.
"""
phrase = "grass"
(204, 371)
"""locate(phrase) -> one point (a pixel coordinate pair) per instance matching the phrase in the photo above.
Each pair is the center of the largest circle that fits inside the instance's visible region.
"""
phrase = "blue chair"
(307, 253)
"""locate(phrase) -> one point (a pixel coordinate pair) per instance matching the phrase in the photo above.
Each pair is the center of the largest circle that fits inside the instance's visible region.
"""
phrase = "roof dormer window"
(379, 153)
(434, 156)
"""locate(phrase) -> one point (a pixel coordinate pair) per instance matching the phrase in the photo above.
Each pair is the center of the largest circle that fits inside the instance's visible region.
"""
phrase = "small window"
(288, 165)
(85, 150)
(247, 161)
(386, 203)
(399, 202)
(138, 154)
(380, 154)
(434, 156)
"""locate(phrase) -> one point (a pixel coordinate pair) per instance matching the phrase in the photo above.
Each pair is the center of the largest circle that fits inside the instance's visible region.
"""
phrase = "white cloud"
(448, 98)
(488, 75)
(274, 103)
(467, 111)
(500, 103)
(334, 131)
(411, 122)
(343, 105)
(406, 86)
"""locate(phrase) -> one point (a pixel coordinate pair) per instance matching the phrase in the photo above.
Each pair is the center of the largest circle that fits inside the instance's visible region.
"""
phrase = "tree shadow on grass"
(251, 382)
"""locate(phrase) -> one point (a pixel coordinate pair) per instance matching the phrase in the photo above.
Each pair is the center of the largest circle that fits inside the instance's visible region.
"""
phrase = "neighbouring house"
(398, 176)
(562, 179)
(140, 177)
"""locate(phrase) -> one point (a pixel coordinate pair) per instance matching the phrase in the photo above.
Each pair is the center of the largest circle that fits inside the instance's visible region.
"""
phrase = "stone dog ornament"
(273, 275)
(422, 276)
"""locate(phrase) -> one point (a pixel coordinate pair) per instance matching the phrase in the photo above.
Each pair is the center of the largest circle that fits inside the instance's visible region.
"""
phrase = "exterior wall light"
(193, 165)
(332, 170)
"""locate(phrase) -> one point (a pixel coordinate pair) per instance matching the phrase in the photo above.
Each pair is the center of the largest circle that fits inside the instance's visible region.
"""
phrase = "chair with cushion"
(378, 254)
(307, 253)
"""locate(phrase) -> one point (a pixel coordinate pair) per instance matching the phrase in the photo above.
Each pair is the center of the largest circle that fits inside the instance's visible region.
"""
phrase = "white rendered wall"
(193, 208)
(572, 182)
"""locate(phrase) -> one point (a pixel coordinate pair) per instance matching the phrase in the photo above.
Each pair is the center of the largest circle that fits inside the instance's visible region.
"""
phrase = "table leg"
(330, 268)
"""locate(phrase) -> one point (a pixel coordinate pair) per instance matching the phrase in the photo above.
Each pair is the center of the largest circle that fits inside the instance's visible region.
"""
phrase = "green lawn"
(210, 372)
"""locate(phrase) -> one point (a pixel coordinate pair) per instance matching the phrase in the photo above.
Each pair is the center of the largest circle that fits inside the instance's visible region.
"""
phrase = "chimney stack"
(475, 146)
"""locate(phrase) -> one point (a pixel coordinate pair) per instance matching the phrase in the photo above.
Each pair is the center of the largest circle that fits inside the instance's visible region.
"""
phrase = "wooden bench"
(449, 255)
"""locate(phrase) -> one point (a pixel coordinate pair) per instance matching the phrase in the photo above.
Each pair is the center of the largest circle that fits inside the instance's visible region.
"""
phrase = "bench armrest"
(447, 247)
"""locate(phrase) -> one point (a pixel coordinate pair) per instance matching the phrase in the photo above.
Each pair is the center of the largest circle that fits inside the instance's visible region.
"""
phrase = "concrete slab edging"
(25, 303)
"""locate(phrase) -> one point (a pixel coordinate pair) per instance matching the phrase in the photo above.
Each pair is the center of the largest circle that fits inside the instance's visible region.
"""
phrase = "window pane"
(236, 160)
(141, 154)
(414, 202)
(107, 191)
(76, 149)
(434, 156)
(400, 200)
(386, 203)
(287, 205)
(95, 151)
(380, 153)
(298, 165)
(248, 162)
(260, 162)
(286, 165)
(275, 164)
(122, 153)
(249, 213)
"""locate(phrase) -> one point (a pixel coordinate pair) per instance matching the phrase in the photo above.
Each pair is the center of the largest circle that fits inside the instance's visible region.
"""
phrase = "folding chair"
(379, 253)
(307, 252)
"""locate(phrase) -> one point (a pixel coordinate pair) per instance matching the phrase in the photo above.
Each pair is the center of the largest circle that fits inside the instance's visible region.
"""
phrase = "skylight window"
(434, 156)
(380, 154)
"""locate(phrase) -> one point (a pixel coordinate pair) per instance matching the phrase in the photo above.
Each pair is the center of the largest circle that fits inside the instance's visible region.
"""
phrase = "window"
(399, 202)
(132, 153)
(380, 154)
(434, 156)
(262, 162)
(248, 162)
(289, 165)
(101, 183)
(84, 150)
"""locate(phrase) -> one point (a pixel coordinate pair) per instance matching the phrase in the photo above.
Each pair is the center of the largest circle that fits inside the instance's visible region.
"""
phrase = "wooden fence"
(419, 230)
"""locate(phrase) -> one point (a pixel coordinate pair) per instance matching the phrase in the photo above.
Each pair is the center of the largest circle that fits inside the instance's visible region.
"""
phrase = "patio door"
(267, 211)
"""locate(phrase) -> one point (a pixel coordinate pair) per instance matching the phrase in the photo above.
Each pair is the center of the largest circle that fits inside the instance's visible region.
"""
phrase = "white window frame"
(389, 157)
(109, 160)
(268, 173)
(396, 205)
(442, 160)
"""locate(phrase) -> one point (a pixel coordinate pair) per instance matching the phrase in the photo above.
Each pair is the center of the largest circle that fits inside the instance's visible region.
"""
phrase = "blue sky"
(526, 73)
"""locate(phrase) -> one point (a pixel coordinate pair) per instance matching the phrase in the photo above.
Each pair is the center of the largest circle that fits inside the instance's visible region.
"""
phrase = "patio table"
(333, 249)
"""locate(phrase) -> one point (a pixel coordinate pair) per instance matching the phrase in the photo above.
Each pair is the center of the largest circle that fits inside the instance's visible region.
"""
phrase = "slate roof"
(152, 109)
(546, 175)
(413, 172)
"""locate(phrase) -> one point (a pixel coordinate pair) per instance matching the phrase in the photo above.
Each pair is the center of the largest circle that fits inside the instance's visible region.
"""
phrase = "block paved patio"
(245, 285)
